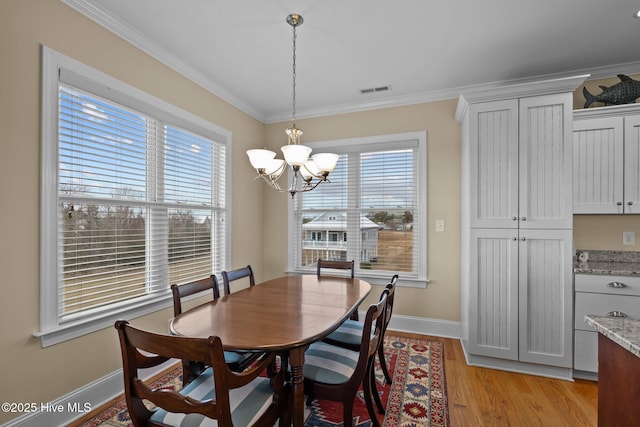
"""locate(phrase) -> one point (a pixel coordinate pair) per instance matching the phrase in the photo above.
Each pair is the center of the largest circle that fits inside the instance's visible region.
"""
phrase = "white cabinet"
(517, 219)
(521, 297)
(606, 160)
(521, 175)
(600, 296)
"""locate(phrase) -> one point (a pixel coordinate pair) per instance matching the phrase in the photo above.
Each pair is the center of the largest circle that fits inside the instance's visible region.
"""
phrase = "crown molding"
(128, 34)
(136, 39)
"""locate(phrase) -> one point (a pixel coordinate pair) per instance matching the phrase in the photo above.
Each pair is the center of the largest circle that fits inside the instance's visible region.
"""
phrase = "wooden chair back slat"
(240, 273)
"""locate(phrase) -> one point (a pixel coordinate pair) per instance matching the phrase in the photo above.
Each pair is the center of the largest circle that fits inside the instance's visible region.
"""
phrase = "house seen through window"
(373, 210)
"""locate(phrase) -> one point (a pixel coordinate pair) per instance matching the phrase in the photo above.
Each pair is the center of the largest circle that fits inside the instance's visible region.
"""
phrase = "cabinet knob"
(616, 313)
(619, 203)
(514, 238)
(524, 218)
(616, 285)
(630, 203)
(523, 238)
(515, 218)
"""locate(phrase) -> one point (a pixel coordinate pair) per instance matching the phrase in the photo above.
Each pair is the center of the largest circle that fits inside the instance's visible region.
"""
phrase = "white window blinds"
(372, 211)
(141, 203)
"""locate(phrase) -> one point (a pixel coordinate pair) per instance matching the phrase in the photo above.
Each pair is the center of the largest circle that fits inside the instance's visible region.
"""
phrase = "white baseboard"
(521, 367)
(100, 391)
(425, 326)
(76, 404)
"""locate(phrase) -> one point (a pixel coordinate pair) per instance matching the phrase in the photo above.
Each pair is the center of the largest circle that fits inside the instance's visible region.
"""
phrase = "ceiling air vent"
(375, 89)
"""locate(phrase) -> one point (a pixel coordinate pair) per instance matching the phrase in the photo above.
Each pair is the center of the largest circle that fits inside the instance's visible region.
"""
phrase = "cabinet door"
(545, 162)
(493, 322)
(545, 296)
(598, 149)
(493, 168)
(632, 164)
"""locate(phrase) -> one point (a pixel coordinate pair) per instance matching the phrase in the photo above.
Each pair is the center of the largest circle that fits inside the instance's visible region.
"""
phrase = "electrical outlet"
(628, 238)
(439, 225)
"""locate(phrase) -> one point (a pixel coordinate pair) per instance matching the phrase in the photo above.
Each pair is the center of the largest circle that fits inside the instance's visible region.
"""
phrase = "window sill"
(73, 329)
(376, 279)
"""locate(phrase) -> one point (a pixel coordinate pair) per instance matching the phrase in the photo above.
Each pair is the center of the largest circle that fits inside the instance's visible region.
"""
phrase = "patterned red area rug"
(416, 397)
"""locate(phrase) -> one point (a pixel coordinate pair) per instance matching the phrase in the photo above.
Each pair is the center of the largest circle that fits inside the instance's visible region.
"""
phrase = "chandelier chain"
(293, 100)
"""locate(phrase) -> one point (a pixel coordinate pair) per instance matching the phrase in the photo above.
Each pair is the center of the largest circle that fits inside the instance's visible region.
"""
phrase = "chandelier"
(306, 172)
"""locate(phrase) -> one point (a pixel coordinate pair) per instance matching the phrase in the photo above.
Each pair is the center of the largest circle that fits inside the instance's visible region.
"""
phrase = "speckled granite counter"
(624, 331)
(609, 263)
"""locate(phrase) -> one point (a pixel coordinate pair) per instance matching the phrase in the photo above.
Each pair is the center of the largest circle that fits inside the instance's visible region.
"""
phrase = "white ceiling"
(241, 50)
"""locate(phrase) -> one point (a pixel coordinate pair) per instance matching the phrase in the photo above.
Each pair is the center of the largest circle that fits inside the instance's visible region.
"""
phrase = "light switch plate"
(439, 225)
(628, 238)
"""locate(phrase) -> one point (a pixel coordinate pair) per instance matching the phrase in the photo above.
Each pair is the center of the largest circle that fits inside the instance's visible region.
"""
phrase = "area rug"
(416, 397)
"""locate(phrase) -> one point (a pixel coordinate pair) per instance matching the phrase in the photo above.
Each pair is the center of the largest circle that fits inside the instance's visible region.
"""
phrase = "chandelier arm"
(322, 176)
(272, 182)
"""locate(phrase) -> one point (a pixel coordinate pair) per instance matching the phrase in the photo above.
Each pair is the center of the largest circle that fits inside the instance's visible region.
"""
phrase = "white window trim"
(421, 137)
(51, 332)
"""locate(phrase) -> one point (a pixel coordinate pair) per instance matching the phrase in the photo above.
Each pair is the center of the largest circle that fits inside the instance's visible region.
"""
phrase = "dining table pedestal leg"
(296, 362)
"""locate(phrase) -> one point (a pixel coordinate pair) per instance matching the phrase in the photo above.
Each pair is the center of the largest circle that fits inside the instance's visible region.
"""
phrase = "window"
(133, 199)
(373, 211)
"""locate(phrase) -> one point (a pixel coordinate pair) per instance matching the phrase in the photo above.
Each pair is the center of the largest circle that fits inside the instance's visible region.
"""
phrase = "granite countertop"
(624, 331)
(608, 263)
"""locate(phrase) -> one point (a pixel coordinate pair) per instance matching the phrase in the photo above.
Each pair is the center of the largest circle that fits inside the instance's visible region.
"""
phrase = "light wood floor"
(488, 397)
(481, 397)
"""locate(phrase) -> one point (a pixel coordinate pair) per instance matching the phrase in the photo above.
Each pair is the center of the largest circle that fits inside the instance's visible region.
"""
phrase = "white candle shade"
(259, 158)
(326, 162)
(295, 154)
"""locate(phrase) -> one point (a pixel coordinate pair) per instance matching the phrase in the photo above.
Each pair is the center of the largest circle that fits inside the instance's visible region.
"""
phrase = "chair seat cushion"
(235, 357)
(350, 333)
(329, 364)
(247, 403)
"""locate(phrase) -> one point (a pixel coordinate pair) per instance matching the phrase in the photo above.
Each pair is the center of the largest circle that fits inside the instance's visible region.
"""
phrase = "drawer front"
(601, 305)
(600, 284)
(585, 353)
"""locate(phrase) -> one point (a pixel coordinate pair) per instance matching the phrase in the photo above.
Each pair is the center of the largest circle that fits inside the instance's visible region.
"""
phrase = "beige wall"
(603, 232)
(259, 232)
(441, 298)
(30, 373)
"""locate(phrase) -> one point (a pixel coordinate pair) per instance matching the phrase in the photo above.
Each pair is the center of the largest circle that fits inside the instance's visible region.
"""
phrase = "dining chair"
(333, 266)
(349, 335)
(240, 273)
(236, 360)
(230, 398)
(335, 373)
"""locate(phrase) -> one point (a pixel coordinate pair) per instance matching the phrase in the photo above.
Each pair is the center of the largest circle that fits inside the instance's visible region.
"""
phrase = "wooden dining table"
(284, 314)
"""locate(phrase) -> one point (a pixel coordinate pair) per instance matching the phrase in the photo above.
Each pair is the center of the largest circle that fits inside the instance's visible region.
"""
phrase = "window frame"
(358, 145)
(52, 331)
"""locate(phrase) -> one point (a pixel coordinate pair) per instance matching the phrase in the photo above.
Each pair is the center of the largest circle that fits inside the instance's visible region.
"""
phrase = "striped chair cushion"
(248, 403)
(234, 357)
(350, 332)
(329, 364)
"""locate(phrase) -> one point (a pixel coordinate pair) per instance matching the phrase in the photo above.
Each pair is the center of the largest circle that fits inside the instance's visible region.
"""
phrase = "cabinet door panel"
(598, 165)
(545, 162)
(546, 292)
(632, 165)
(493, 174)
(493, 324)
(586, 351)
